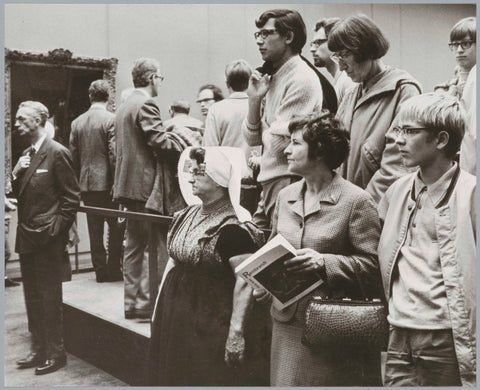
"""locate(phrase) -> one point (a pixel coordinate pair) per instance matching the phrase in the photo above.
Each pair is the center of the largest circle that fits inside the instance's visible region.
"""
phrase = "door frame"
(61, 58)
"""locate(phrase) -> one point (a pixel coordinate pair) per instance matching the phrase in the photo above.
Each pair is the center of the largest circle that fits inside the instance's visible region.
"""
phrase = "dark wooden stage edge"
(95, 330)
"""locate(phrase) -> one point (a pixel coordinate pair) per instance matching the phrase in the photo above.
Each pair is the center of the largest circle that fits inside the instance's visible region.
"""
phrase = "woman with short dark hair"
(335, 228)
(368, 111)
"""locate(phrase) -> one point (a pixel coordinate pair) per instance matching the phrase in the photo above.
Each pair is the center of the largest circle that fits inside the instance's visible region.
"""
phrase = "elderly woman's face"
(297, 154)
(357, 71)
(202, 184)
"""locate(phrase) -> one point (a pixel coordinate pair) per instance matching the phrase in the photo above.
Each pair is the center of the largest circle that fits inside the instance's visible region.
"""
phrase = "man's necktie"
(32, 152)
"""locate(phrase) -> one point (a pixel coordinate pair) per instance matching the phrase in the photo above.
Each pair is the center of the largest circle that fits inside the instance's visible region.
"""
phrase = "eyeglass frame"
(465, 44)
(158, 76)
(264, 33)
(340, 55)
(408, 132)
(318, 42)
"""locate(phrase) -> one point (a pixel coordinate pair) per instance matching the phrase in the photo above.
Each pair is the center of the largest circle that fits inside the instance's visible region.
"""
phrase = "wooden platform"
(96, 330)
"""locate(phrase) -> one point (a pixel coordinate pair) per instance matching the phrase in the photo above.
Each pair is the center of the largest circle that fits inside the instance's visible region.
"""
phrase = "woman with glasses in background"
(368, 111)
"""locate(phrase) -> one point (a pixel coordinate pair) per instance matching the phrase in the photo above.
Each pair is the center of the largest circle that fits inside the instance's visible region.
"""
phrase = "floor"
(16, 346)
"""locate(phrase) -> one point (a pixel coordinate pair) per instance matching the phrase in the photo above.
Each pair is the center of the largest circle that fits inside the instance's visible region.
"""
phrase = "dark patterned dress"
(193, 311)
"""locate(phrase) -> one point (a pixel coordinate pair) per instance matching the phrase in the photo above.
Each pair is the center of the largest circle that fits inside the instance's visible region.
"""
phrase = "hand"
(261, 295)
(234, 349)
(258, 85)
(307, 260)
(10, 204)
(22, 164)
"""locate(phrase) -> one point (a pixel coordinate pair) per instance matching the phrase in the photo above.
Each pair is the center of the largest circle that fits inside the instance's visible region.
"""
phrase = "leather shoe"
(132, 314)
(51, 365)
(32, 360)
(11, 283)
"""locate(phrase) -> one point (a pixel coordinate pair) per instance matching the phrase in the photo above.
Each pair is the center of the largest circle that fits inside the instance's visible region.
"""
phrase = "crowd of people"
(369, 179)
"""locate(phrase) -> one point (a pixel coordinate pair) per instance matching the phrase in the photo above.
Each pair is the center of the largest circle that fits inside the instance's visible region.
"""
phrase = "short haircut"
(198, 154)
(465, 28)
(361, 36)
(180, 107)
(41, 111)
(143, 69)
(217, 92)
(238, 74)
(325, 137)
(437, 112)
(287, 20)
(99, 91)
(327, 24)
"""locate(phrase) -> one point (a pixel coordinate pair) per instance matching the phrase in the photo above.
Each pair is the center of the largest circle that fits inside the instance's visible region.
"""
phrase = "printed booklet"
(265, 270)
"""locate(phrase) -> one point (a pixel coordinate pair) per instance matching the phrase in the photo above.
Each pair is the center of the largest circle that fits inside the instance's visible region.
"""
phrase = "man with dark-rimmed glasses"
(284, 86)
(322, 57)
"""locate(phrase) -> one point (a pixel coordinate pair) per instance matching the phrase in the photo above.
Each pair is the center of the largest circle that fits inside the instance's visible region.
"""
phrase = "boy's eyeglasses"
(408, 131)
(466, 44)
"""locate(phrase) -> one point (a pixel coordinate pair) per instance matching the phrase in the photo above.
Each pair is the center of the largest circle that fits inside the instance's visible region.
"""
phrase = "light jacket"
(456, 231)
(374, 162)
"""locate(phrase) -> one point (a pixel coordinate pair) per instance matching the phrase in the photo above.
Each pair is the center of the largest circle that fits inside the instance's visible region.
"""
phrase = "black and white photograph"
(152, 149)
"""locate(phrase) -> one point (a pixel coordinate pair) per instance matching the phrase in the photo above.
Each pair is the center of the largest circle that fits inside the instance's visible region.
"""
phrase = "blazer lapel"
(34, 163)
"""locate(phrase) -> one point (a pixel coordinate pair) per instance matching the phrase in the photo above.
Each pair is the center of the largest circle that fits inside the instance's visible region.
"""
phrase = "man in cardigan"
(283, 87)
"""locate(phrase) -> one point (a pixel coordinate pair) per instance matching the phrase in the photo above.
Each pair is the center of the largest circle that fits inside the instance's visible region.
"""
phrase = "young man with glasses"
(322, 57)
(427, 250)
(208, 94)
(286, 86)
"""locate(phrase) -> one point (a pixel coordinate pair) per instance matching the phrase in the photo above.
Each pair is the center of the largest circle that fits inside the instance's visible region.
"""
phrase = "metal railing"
(150, 219)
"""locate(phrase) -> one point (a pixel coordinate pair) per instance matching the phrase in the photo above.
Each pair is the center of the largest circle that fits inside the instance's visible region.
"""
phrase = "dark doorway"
(64, 90)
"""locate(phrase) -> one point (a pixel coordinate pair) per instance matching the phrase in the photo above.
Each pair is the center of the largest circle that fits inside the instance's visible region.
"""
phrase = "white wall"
(195, 41)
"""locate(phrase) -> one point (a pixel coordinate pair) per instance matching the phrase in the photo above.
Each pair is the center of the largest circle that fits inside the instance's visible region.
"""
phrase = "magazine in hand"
(265, 270)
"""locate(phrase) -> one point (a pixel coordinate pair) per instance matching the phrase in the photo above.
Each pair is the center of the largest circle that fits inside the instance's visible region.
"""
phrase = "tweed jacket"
(48, 197)
(455, 227)
(344, 228)
(92, 148)
(139, 132)
(374, 162)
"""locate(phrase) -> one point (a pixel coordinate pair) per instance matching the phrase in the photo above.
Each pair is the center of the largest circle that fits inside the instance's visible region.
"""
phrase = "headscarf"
(226, 166)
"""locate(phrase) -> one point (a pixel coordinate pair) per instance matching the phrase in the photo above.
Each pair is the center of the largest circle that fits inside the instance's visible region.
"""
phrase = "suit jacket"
(91, 145)
(139, 132)
(48, 197)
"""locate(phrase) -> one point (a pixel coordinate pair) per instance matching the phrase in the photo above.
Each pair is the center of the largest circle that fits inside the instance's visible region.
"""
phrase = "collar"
(438, 190)
(97, 105)
(366, 85)
(39, 143)
(337, 76)
(238, 95)
(288, 66)
(142, 91)
(330, 194)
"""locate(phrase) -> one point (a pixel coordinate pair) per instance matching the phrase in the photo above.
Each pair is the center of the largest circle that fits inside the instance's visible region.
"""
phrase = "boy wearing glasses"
(427, 250)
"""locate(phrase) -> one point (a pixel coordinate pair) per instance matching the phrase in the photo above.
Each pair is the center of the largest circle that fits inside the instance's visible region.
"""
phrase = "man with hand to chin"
(48, 194)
